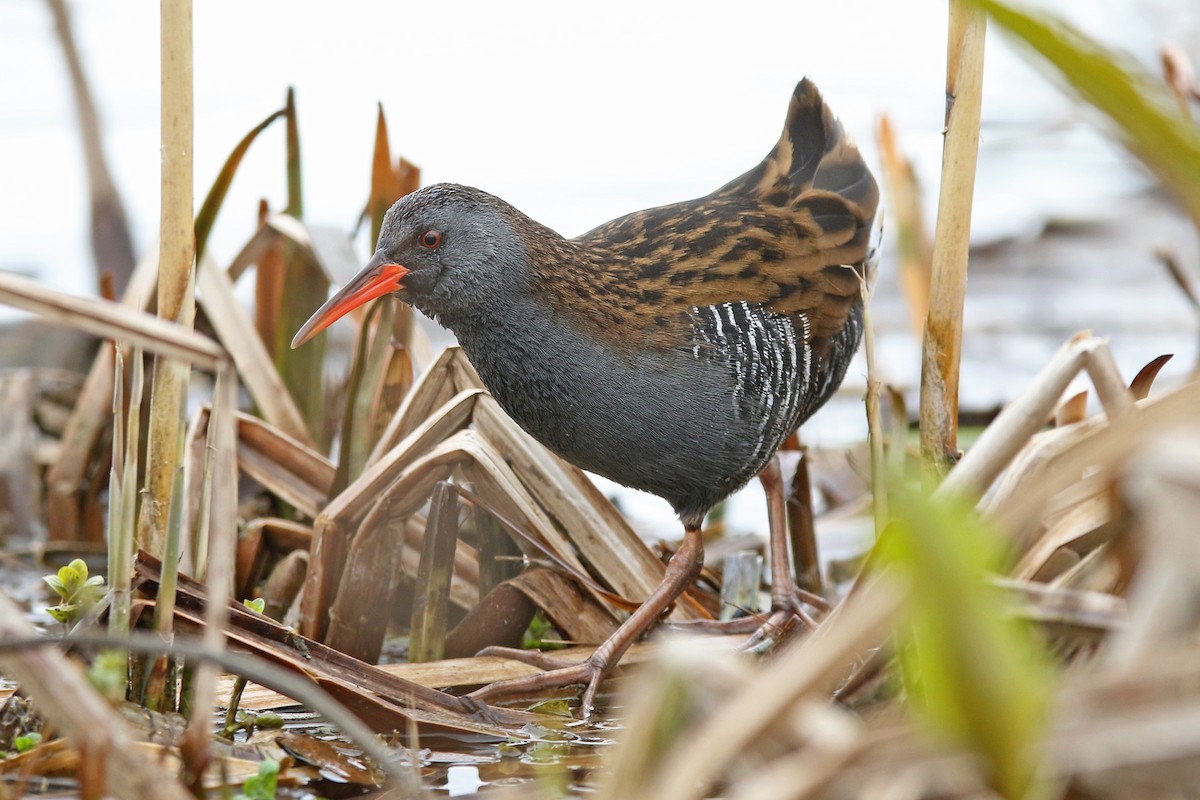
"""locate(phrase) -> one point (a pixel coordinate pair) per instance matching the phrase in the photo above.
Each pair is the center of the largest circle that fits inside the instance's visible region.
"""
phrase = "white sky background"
(575, 113)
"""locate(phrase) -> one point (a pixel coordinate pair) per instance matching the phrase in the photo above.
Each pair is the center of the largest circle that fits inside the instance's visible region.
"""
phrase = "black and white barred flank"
(778, 381)
(771, 361)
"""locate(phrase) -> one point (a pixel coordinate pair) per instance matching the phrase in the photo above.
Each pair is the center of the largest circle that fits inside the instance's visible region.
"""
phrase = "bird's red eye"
(431, 239)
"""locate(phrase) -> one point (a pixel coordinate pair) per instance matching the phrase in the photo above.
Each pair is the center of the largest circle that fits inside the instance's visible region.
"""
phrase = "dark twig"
(256, 669)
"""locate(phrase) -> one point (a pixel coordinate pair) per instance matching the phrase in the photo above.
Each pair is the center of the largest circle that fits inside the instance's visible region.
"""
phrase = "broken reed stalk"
(112, 245)
(371, 351)
(222, 529)
(942, 350)
(122, 494)
(401, 368)
(176, 289)
(806, 561)
(1009, 432)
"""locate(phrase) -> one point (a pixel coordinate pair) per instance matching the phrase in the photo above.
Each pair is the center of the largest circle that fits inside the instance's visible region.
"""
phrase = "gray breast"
(690, 424)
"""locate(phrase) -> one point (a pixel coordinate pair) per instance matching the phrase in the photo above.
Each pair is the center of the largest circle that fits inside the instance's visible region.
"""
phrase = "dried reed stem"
(914, 256)
(942, 350)
(222, 531)
(122, 493)
(874, 420)
(176, 298)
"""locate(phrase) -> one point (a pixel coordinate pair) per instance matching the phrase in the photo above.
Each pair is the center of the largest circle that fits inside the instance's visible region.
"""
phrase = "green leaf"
(69, 577)
(975, 674)
(78, 592)
(257, 605)
(263, 785)
(88, 596)
(108, 674)
(27, 742)
(295, 205)
(1147, 117)
(557, 707)
(55, 583)
(66, 614)
(81, 569)
(305, 288)
(216, 194)
(384, 187)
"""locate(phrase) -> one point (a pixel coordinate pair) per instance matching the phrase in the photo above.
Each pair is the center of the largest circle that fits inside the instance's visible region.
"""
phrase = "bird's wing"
(790, 234)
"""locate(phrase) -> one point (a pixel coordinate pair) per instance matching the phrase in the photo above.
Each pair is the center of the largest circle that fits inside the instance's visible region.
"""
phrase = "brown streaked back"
(792, 233)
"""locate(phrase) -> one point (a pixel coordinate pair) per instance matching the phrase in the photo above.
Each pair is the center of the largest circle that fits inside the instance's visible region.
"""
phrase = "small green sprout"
(27, 741)
(261, 786)
(257, 605)
(108, 674)
(77, 592)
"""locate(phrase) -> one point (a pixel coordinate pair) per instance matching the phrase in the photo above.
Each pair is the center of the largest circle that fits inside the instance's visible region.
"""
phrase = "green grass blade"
(295, 205)
(216, 195)
(1139, 104)
(304, 290)
(974, 673)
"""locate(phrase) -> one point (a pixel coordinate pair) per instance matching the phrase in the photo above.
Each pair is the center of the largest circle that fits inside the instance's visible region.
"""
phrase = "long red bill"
(374, 281)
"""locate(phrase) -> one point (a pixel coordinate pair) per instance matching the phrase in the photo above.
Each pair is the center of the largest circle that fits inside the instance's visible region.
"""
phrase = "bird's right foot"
(681, 570)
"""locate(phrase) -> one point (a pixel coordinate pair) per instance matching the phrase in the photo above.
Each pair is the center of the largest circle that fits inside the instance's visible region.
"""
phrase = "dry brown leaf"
(1144, 380)
(255, 368)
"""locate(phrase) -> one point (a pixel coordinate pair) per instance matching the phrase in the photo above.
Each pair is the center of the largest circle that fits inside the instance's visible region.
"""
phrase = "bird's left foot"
(766, 631)
(590, 673)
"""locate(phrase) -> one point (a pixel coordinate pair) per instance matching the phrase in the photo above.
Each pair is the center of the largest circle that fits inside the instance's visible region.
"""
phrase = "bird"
(671, 350)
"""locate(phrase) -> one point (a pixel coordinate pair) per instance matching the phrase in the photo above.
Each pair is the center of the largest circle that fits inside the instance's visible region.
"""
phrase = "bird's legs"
(681, 570)
(787, 599)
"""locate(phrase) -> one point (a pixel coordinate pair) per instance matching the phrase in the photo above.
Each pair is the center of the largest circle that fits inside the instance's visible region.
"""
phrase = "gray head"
(449, 250)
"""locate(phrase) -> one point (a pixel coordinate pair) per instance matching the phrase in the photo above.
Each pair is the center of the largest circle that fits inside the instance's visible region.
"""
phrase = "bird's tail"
(815, 165)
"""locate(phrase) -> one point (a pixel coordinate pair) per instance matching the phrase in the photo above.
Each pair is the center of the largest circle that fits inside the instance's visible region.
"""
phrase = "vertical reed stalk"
(942, 350)
(879, 495)
(122, 494)
(427, 633)
(176, 285)
(222, 531)
(164, 609)
(118, 524)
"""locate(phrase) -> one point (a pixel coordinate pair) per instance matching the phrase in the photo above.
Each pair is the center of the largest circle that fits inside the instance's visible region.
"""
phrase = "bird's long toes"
(587, 703)
(771, 633)
(534, 658)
